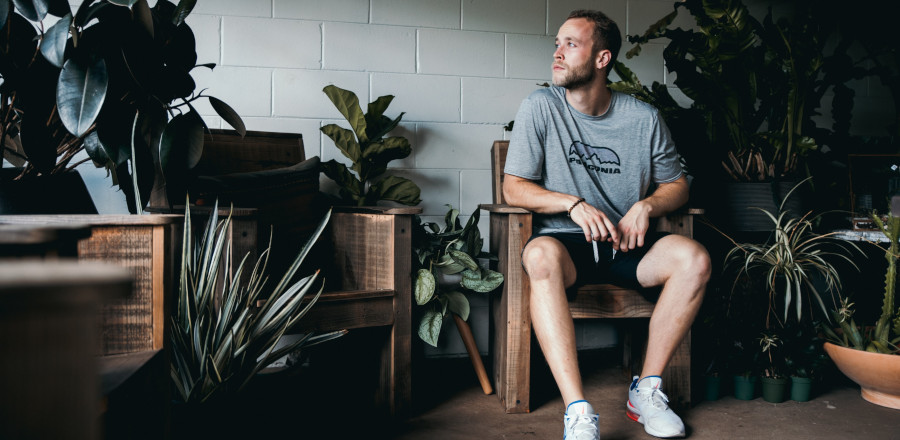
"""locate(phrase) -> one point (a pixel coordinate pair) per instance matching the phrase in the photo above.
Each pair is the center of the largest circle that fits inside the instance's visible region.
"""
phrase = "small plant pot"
(713, 387)
(775, 389)
(745, 387)
(800, 388)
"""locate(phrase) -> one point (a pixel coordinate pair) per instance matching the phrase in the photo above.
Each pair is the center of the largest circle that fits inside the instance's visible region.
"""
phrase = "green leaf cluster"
(448, 250)
(370, 150)
(790, 261)
(220, 337)
(885, 336)
(112, 78)
(754, 85)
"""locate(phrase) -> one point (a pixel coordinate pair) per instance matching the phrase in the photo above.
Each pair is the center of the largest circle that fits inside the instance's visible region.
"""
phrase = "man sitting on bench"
(583, 159)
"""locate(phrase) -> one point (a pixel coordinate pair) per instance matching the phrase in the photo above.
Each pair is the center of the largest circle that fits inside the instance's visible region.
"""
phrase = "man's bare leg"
(682, 266)
(550, 270)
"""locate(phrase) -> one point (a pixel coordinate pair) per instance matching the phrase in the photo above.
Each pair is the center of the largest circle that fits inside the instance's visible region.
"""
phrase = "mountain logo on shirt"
(589, 155)
(599, 155)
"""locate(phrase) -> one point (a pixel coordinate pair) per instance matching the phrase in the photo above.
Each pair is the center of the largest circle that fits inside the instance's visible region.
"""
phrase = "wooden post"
(465, 332)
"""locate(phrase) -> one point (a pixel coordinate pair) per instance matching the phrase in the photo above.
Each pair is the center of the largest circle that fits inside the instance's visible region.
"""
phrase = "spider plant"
(792, 260)
(220, 337)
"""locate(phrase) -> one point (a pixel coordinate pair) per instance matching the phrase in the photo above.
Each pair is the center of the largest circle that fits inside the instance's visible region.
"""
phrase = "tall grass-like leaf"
(219, 345)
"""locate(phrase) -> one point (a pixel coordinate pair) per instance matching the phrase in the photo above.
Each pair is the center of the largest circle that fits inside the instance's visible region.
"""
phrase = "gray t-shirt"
(611, 160)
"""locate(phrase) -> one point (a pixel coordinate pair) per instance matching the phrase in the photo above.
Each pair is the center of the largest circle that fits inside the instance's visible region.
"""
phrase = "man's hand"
(595, 224)
(633, 227)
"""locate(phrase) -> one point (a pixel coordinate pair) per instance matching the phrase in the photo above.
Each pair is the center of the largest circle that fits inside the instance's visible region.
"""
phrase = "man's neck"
(592, 99)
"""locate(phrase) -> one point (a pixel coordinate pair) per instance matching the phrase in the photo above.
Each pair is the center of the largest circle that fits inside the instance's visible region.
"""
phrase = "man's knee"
(543, 258)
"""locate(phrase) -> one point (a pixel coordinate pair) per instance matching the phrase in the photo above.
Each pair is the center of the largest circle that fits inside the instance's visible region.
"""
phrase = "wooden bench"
(510, 229)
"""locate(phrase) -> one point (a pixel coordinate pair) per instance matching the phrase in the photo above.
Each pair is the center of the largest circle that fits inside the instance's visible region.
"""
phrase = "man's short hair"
(606, 33)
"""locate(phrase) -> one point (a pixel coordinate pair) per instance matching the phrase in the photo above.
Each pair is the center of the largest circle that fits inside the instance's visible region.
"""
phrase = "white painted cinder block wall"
(458, 68)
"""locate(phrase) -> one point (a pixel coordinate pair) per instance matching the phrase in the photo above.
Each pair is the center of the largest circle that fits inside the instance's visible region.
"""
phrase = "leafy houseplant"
(113, 80)
(885, 336)
(220, 338)
(448, 251)
(790, 263)
(369, 150)
(754, 86)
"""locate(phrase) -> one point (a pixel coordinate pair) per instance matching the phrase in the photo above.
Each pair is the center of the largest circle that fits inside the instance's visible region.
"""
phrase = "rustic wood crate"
(149, 246)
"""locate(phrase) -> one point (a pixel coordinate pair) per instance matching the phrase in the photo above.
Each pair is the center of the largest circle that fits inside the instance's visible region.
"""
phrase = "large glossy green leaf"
(4, 13)
(95, 150)
(397, 189)
(344, 141)
(54, 45)
(424, 288)
(126, 3)
(183, 139)
(34, 10)
(144, 16)
(80, 93)
(430, 327)
(388, 149)
(183, 9)
(228, 115)
(347, 104)
(338, 172)
(464, 259)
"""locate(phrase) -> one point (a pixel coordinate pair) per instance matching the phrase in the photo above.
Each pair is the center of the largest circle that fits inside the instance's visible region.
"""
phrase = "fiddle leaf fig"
(364, 144)
(347, 104)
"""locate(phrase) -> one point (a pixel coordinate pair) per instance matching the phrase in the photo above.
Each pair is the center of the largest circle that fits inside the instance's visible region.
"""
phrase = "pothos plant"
(367, 146)
(112, 79)
(442, 253)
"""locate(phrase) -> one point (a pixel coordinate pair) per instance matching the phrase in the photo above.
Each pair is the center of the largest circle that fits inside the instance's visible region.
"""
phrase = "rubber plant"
(445, 252)
(885, 336)
(370, 150)
(220, 337)
(112, 79)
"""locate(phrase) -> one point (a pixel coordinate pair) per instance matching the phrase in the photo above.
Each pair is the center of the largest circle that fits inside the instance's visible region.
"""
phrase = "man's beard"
(577, 76)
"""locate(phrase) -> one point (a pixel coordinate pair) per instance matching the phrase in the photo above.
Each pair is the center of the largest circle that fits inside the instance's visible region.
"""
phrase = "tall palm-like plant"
(220, 342)
(791, 262)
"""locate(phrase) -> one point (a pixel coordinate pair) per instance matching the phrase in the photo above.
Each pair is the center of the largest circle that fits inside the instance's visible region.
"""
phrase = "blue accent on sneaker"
(577, 401)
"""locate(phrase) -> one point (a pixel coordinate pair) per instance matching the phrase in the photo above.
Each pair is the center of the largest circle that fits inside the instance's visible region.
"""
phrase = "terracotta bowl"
(878, 375)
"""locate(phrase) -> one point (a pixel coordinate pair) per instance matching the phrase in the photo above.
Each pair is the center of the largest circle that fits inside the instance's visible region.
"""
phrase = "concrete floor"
(330, 400)
(467, 413)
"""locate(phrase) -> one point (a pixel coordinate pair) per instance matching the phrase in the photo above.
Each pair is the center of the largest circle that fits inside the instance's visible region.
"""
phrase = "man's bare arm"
(527, 194)
(633, 226)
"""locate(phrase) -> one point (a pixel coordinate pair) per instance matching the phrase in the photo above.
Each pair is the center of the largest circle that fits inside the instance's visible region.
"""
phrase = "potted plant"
(754, 87)
(869, 356)
(774, 383)
(447, 265)
(111, 79)
(804, 358)
(369, 150)
(791, 262)
(221, 337)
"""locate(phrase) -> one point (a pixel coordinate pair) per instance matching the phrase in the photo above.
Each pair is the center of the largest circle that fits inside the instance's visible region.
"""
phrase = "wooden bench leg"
(512, 335)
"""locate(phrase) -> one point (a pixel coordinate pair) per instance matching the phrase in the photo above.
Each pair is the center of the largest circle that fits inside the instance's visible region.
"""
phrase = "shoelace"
(586, 429)
(656, 397)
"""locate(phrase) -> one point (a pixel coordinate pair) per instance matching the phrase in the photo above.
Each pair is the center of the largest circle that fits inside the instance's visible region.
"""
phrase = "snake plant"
(220, 336)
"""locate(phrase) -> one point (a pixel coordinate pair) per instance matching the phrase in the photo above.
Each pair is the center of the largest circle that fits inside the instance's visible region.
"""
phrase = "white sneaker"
(580, 422)
(648, 405)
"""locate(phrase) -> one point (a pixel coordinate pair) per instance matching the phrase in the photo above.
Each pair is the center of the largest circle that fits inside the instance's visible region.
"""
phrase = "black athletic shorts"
(621, 270)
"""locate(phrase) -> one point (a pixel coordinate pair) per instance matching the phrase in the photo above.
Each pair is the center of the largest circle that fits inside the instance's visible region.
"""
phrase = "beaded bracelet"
(573, 206)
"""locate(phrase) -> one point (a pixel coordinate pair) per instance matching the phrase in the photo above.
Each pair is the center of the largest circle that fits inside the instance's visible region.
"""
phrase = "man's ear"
(604, 57)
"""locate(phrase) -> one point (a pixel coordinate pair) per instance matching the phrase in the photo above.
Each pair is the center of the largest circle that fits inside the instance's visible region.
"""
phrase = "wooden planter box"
(148, 245)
